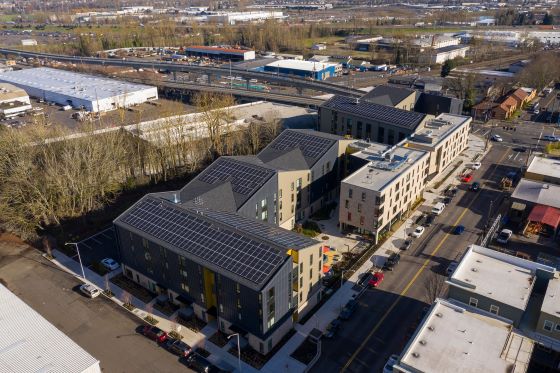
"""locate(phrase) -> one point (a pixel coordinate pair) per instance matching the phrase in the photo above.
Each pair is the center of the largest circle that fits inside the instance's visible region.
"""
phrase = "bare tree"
(434, 286)
(215, 113)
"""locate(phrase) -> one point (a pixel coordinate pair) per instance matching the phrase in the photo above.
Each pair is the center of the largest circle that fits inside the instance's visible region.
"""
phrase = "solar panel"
(370, 110)
(245, 257)
(245, 178)
(311, 146)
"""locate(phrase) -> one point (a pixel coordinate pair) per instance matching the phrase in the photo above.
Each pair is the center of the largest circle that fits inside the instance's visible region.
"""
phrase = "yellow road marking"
(418, 273)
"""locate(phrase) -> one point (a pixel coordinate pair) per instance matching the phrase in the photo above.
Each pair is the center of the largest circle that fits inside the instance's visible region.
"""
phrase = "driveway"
(98, 325)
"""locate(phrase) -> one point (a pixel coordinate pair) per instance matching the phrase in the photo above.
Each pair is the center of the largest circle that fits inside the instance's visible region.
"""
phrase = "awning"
(546, 215)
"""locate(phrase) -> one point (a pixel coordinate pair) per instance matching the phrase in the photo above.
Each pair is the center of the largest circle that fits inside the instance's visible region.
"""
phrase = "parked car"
(451, 268)
(90, 290)
(504, 236)
(459, 229)
(429, 220)
(452, 192)
(110, 264)
(154, 333)
(332, 328)
(388, 367)
(498, 138)
(348, 309)
(475, 166)
(475, 186)
(376, 280)
(466, 178)
(447, 200)
(365, 279)
(438, 208)
(178, 347)
(198, 363)
(391, 262)
(406, 245)
(418, 231)
(551, 138)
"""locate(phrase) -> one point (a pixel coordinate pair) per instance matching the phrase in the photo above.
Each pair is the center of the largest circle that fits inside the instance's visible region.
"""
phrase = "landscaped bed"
(305, 352)
(133, 288)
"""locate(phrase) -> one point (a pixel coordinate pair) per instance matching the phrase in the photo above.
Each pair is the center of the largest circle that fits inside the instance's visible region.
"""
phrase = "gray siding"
(252, 207)
(282, 285)
(484, 303)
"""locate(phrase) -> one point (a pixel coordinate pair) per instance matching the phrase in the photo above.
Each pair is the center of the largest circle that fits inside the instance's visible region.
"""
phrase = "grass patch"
(309, 228)
(306, 351)
(552, 148)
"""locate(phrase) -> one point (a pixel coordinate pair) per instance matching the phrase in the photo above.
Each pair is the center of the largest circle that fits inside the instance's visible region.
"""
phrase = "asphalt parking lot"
(98, 325)
(97, 247)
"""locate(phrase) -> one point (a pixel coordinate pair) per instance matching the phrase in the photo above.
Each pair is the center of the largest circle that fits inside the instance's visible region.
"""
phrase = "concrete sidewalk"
(218, 356)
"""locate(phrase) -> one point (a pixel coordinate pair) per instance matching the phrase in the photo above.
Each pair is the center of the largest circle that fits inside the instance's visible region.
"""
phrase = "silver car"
(90, 290)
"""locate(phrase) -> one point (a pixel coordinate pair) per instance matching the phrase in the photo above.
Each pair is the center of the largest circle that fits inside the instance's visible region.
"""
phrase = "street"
(388, 315)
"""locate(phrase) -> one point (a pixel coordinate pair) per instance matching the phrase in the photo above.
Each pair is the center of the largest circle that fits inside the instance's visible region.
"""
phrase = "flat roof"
(545, 166)
(438, 129)
(457, 338)
(301, 65)
(375, 112)
(385, 163)
(451, 48)
(498, 276)
(551, 301)
(69, 83)
(202, 48)
(11, 92)
(29, 343)
(537, 192)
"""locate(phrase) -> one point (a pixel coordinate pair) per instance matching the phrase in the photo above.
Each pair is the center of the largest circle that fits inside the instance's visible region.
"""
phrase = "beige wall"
(398, 198)
(306, 277)
(407, 103)
(549, 333)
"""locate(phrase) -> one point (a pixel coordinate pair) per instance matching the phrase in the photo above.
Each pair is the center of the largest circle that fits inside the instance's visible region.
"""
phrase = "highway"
(387, 316)
(302, 83)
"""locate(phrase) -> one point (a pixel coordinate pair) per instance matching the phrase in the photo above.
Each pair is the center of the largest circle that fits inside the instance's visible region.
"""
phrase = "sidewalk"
(331, 309)
(219, 356)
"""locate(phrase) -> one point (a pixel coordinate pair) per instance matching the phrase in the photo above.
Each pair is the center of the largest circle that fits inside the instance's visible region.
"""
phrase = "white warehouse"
(93, 93)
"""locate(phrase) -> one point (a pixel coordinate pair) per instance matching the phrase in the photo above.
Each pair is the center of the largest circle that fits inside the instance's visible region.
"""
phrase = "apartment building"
(251, 277)
(445, 137)
(496, 282)
(454, 337)
(387, 182)
(362, 119)
(289, 180)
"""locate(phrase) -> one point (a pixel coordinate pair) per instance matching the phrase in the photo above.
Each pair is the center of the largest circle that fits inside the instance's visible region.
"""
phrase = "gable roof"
(297, 149)
(246, 250)
(365, 109)
(388, 95)
(227, 183)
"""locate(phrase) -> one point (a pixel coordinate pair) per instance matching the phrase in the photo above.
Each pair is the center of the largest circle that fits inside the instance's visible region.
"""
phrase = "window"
(184, 287)
(145, 243)
(557, 328)
(494, 309)
(280, 193)
(292, 186)
(298, 183)
(349, 216)
(311, 259)
(310, 273)
(237, 288)
(301, 282)
(363, 196)
(350, 193)
(300, 267)
(328, 166)
(362, 220)
(359, 207)
(346, 203)
(473, 302)
(548, 325)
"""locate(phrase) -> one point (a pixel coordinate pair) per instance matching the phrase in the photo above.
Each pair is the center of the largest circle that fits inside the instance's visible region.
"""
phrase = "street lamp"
(79, 257)
(238, 350)
(341, 277)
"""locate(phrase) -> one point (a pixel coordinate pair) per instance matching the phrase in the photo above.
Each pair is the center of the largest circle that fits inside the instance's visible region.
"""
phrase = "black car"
(447, 200)
(198, 363)
(348, 309)
(365, 279)
(429, 220)
(178, 347)
(406, 245)
(452, 192)
(332, 328)
(391, 262)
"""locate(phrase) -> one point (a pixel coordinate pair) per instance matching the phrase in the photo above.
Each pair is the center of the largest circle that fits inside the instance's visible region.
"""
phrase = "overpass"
(290, 81)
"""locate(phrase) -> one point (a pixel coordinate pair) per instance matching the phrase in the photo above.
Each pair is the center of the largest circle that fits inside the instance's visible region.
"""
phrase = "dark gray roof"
(297, 149)
(369, 110)
(227, 183)
(450, 48)
(248, 251)
(436, 104)
(388, 95)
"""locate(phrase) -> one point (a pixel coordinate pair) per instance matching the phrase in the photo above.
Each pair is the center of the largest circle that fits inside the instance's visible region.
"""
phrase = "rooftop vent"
(474, 269)
(545, 186)
(416, 354)
(431, 328)
(423, 342)
(439, 314)
(479, 261)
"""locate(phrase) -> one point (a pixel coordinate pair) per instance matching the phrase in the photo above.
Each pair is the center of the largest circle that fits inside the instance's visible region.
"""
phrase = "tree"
(447, 66)
(548, 19)
(215, 113)
(434, 286)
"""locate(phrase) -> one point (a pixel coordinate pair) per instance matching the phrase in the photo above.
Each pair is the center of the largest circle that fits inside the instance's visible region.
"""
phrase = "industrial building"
(439, 56)
(219, 53)
(249, 276)
(13, 101)
(30, 343)
(232, 18)
(81, 91)
(306, 69)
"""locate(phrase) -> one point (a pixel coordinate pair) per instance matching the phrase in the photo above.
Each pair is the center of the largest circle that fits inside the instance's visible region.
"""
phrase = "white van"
(438, 208)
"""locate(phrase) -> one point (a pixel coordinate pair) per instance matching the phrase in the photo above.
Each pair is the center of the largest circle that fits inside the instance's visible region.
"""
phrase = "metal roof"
(388, 95)
(29, 343)
(371, 111)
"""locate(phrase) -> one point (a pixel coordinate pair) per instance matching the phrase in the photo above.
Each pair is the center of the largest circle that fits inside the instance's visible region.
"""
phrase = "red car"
(376, 279)
(154, 333)
(466, 178)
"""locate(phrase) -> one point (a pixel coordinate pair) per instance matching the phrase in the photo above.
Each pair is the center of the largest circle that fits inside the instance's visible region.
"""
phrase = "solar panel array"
(311, 146)
(245, 257)
(370, 110)
(245, 178)
(279, 236)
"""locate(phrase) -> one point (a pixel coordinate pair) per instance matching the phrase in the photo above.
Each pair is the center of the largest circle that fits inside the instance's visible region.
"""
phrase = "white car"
(497, 138)
(550, 138)
(504, 236)
(90, 290)
(110, 264)
(475, 166)
(388, 367)
(418, 231)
